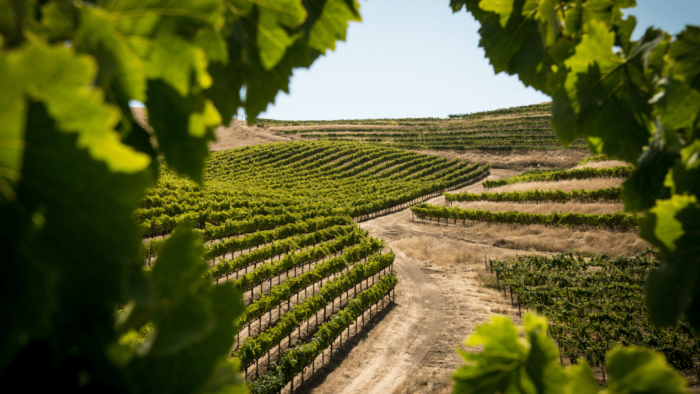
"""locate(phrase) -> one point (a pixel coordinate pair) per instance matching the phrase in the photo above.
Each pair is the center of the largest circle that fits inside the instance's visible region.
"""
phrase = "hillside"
(277, 213)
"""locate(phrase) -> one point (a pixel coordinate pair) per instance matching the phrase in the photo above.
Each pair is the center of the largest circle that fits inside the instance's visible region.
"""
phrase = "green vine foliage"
(636, 101)
(511, 362)
(74, 164)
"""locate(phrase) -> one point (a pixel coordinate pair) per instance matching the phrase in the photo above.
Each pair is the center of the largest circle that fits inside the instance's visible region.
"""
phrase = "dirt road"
(439, 300)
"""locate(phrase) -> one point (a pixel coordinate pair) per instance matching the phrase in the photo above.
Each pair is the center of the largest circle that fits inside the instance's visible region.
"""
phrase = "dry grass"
(574, 184)
(546, 208)
(603, 164)
(506, 239)
(517, 160)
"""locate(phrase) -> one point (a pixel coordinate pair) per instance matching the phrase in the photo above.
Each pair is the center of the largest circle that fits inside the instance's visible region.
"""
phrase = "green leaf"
(226, 379)
(673, 225)
(678, 105)
(616, 124)
(685, 52)
(96, 35)
(211, 40)
(332, 23)
(225, 93)
(273, 21)
(504, 9)
(172, 59)
(263, 85)
(62, 80)
(179, 266)
(187, 323)
(86, 248)
(646, 185)
(195, 367)
(638, 370)
(184, 126)
(273, 39)
(543, 361)
(581, 379)
(512, 41)
(669, 228)
(193, 319)
(545, 13)
(509, 363)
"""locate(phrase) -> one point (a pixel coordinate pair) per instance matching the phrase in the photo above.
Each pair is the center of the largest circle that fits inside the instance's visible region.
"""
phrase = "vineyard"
(524, 128)
(594, 304)
(279, 222)
(560, 175)
(616, 221)
(537, 195)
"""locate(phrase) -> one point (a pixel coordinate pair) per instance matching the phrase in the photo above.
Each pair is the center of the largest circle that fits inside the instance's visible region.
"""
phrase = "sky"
(415, 58)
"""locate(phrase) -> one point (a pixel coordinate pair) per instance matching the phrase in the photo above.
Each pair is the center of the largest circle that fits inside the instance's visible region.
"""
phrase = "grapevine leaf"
(457, 5)
(273, 39)
(545, 12)
(673, 225)
(212, 42)
(193, 319)
(183, 325)
(685, 52)
(59, 20)
(682, 178)
(332, 23)
(226, 379)
(263, 85)
(34, 291)
(62, 80)
(172, 59)
(638, 370)
(504, 9)
(509, 363)
(512, 42)
(615, 124)
(64, 188)
(581, 379)
(153, 37)
(178, 267)
(195, 366)
(678, 105)
(96, 35)
(133, 134)
(183, 127)
(646, 184)
(543, 361)
(272, 24)
(225, 93)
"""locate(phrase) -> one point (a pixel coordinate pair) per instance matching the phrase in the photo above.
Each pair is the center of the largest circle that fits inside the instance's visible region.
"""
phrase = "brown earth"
(236, 135)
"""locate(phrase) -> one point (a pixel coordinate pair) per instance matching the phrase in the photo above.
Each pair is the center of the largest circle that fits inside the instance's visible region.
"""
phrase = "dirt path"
(421, 329)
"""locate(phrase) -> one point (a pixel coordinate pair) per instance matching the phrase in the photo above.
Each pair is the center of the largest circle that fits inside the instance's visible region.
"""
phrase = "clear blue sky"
(414, 58)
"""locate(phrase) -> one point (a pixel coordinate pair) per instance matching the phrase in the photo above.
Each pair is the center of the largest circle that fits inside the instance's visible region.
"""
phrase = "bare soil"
(236, 135)
(239, 134)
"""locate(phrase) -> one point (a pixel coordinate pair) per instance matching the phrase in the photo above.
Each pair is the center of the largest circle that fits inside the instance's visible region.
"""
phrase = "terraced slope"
(519, 128)
(279, 223)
